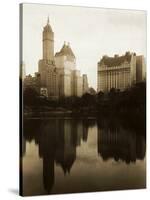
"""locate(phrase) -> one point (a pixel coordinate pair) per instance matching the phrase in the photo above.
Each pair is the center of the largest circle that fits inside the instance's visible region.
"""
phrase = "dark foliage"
(132, 100)
(30, 97)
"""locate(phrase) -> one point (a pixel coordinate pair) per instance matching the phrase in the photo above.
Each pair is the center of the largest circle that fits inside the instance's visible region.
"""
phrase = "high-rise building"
(140, 68)
(76, 83)
(65, 58)
(70, 80)
(65, 62)
(120, 72)
(85, 83)
(47, 68)
(58, 74)
(48, 42)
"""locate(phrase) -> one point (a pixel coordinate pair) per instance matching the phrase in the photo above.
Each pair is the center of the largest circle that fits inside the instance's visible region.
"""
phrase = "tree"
(88, 99)
(30, 97)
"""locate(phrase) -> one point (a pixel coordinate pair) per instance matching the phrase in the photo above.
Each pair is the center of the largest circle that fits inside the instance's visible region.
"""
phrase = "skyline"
(89, 47)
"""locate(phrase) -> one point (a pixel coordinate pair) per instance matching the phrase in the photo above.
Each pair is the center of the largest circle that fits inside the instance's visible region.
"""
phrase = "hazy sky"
(92, 33)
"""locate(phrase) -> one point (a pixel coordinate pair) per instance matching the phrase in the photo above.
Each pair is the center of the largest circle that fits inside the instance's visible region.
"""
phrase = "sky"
(91, 32)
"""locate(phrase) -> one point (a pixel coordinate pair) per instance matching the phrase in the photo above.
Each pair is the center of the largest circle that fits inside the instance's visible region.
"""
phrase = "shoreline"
(88, 113)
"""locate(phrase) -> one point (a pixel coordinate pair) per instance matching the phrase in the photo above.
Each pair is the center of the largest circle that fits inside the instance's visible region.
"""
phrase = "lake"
(68, 155)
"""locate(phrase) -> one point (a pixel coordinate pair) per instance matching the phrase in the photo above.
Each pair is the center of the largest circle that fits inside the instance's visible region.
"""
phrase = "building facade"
(120, 72)
(46, 66)
(140, 68)
(85, 84)
(32, 82)
(70, 80)
(58, 76)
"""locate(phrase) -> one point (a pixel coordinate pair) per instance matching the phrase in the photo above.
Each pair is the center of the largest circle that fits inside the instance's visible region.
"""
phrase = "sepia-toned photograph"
(82, 99)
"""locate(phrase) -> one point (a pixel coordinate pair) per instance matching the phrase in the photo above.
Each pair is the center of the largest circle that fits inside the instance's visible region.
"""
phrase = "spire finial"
(48, 20)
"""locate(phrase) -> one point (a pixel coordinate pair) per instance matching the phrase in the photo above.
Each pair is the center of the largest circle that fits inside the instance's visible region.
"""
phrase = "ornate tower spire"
(48, 42)
(48, 20)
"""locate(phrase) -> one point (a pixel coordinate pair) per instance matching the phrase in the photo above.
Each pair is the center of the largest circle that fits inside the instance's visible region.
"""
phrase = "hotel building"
(120, 72)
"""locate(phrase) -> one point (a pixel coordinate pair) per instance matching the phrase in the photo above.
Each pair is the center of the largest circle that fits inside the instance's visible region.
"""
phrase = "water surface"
(81, 155)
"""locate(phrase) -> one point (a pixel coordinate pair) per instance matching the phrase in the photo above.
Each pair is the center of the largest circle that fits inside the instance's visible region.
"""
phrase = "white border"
(9, 99)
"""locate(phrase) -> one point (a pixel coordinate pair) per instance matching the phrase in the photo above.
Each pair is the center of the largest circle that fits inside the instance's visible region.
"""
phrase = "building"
(58, 73)
(65, 58)
(85, 84)
(70, 79)
(58, 76)
(32, 82)
(44, 92)
(120, 72)
(140, 68)
(47, 68)
(76, 83)
(65, 63)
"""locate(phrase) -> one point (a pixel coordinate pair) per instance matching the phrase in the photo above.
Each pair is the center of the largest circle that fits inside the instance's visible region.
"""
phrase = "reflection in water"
(58, 139)
(120, 144)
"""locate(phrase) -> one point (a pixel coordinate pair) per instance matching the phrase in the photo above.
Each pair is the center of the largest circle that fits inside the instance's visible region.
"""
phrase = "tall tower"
(47, 69)
(48, 42)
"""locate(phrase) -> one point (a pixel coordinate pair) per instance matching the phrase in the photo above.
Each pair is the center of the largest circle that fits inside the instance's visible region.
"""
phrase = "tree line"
(132, 99)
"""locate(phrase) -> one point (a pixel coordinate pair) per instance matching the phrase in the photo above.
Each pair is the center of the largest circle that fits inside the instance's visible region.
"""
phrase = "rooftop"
(116, 60)
(65, 51)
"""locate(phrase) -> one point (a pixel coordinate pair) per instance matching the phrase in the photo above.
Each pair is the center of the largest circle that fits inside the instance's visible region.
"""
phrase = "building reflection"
(66, 145)
(119, 143)
(58, 139)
